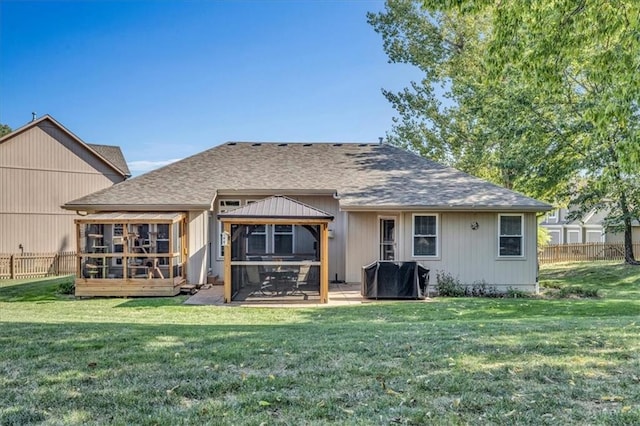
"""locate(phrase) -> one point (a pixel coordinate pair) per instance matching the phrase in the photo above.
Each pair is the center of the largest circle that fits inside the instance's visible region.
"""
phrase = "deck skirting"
(128, 287)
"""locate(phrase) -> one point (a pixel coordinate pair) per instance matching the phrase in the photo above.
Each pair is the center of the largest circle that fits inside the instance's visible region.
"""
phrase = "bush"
(448, 285)
(481, 289)
(513, 293)
(67, 287)
(577, 291)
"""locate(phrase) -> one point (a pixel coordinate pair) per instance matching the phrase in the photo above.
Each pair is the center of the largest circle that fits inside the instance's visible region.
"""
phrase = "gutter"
(441, 208)
(136, 208)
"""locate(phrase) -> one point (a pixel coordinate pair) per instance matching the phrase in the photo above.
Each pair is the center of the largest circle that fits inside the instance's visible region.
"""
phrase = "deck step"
(189, 288)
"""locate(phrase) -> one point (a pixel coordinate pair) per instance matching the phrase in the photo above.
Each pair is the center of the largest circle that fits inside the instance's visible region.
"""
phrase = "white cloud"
(143, 166)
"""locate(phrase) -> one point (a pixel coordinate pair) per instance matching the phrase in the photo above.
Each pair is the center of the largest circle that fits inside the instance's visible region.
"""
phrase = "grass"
(451, 361)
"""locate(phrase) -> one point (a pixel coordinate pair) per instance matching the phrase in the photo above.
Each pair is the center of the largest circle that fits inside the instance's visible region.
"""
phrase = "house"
(240, 209)
(42, 166)
(588, 229)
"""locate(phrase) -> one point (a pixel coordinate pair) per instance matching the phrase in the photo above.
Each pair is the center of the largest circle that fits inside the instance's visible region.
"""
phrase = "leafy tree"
(4, 130)
(540, 96)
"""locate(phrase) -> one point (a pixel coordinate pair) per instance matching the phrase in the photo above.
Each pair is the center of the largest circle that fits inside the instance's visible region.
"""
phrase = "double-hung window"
(511, 235)
(425, 235)
(283, 239)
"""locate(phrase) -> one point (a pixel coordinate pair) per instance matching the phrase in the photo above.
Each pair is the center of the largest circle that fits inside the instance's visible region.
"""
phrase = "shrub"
(481, 289)
(67, 287)
(513, 293)
(577, 291)
(448, 285)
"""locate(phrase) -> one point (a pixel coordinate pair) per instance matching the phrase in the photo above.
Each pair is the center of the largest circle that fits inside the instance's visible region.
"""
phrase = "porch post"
(227, 264)
(324, 263)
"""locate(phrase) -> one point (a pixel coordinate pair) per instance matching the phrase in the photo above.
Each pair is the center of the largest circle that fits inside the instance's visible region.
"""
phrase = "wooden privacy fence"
(33, 265)
(589, 251)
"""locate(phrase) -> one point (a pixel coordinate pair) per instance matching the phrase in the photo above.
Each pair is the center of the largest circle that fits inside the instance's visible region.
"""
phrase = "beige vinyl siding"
(470, 255)
(198, 239)
(618, 237)
(325, 203)
(363, 244)
(41, 169)
(338, 226)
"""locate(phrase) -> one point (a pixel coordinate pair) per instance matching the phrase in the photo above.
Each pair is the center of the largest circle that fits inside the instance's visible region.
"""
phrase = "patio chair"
(255, 278)
(302, 280)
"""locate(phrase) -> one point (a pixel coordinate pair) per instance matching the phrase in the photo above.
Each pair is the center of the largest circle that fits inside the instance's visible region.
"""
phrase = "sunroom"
(131, 254)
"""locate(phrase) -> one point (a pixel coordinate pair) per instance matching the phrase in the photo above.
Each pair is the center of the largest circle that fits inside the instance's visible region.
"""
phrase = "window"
(224, 205)
(283, 239)
(511, 235)
(257, 239)
(425, 235)
(552, 216)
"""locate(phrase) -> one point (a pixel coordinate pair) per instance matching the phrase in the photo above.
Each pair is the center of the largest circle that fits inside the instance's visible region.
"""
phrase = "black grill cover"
(394, 280)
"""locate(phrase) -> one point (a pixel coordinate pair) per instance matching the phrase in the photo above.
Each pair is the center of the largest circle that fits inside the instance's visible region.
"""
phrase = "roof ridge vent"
(307, 144)
(283, 144)
(256, 144)
(337, 144)
(232, 143)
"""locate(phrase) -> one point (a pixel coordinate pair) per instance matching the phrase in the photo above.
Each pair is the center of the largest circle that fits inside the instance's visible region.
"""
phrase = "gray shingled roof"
(363, 175)
(114, 155)
(277, 207)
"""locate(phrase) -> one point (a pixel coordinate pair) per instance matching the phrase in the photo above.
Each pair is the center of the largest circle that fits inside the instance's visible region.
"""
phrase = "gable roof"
(362, 176)
(276, 207)
(110, 155)
(114, 155)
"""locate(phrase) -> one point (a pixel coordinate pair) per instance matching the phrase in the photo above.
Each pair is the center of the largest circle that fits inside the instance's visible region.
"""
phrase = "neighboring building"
(589, 229)
(380, 203)
(42, 166)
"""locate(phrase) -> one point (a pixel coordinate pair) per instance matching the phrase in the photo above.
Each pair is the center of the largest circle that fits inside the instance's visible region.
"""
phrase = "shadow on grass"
(152, 302)
(35, 290)
(123, 372)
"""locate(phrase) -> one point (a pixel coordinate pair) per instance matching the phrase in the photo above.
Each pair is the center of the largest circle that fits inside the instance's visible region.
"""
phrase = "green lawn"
(451, 361)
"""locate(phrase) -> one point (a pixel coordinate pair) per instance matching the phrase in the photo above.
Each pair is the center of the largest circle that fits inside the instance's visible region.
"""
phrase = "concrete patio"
(340, 294)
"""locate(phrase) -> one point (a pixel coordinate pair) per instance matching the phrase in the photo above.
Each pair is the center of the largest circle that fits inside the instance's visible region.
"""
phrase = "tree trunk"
(629, 258)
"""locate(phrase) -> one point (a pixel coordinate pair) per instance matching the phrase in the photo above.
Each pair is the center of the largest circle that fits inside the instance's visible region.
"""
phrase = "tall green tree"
(539, 96)
(4, 130)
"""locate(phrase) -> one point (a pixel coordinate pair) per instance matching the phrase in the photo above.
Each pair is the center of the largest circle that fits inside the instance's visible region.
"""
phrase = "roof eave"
(444, 207)
(136, 207)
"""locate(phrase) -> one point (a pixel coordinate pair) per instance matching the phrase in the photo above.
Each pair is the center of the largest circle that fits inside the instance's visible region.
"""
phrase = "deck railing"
(34, 265)
(580, 252)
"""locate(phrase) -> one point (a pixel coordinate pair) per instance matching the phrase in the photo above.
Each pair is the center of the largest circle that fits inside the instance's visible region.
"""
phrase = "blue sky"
(167, 79)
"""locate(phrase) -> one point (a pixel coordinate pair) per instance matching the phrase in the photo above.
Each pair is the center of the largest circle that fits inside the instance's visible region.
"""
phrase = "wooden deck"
(128, 287)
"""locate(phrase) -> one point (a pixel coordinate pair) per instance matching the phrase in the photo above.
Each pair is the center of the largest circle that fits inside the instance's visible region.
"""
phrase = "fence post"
(12, 267)
(56, 264)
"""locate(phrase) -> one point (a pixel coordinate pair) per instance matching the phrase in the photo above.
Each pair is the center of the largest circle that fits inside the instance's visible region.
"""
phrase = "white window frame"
(413, 235)
(274, 233)
(555, 231)
(552, 216)
(594, 231)
(522, 235)
(576, 231)
(266, 229)
(222, 209)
